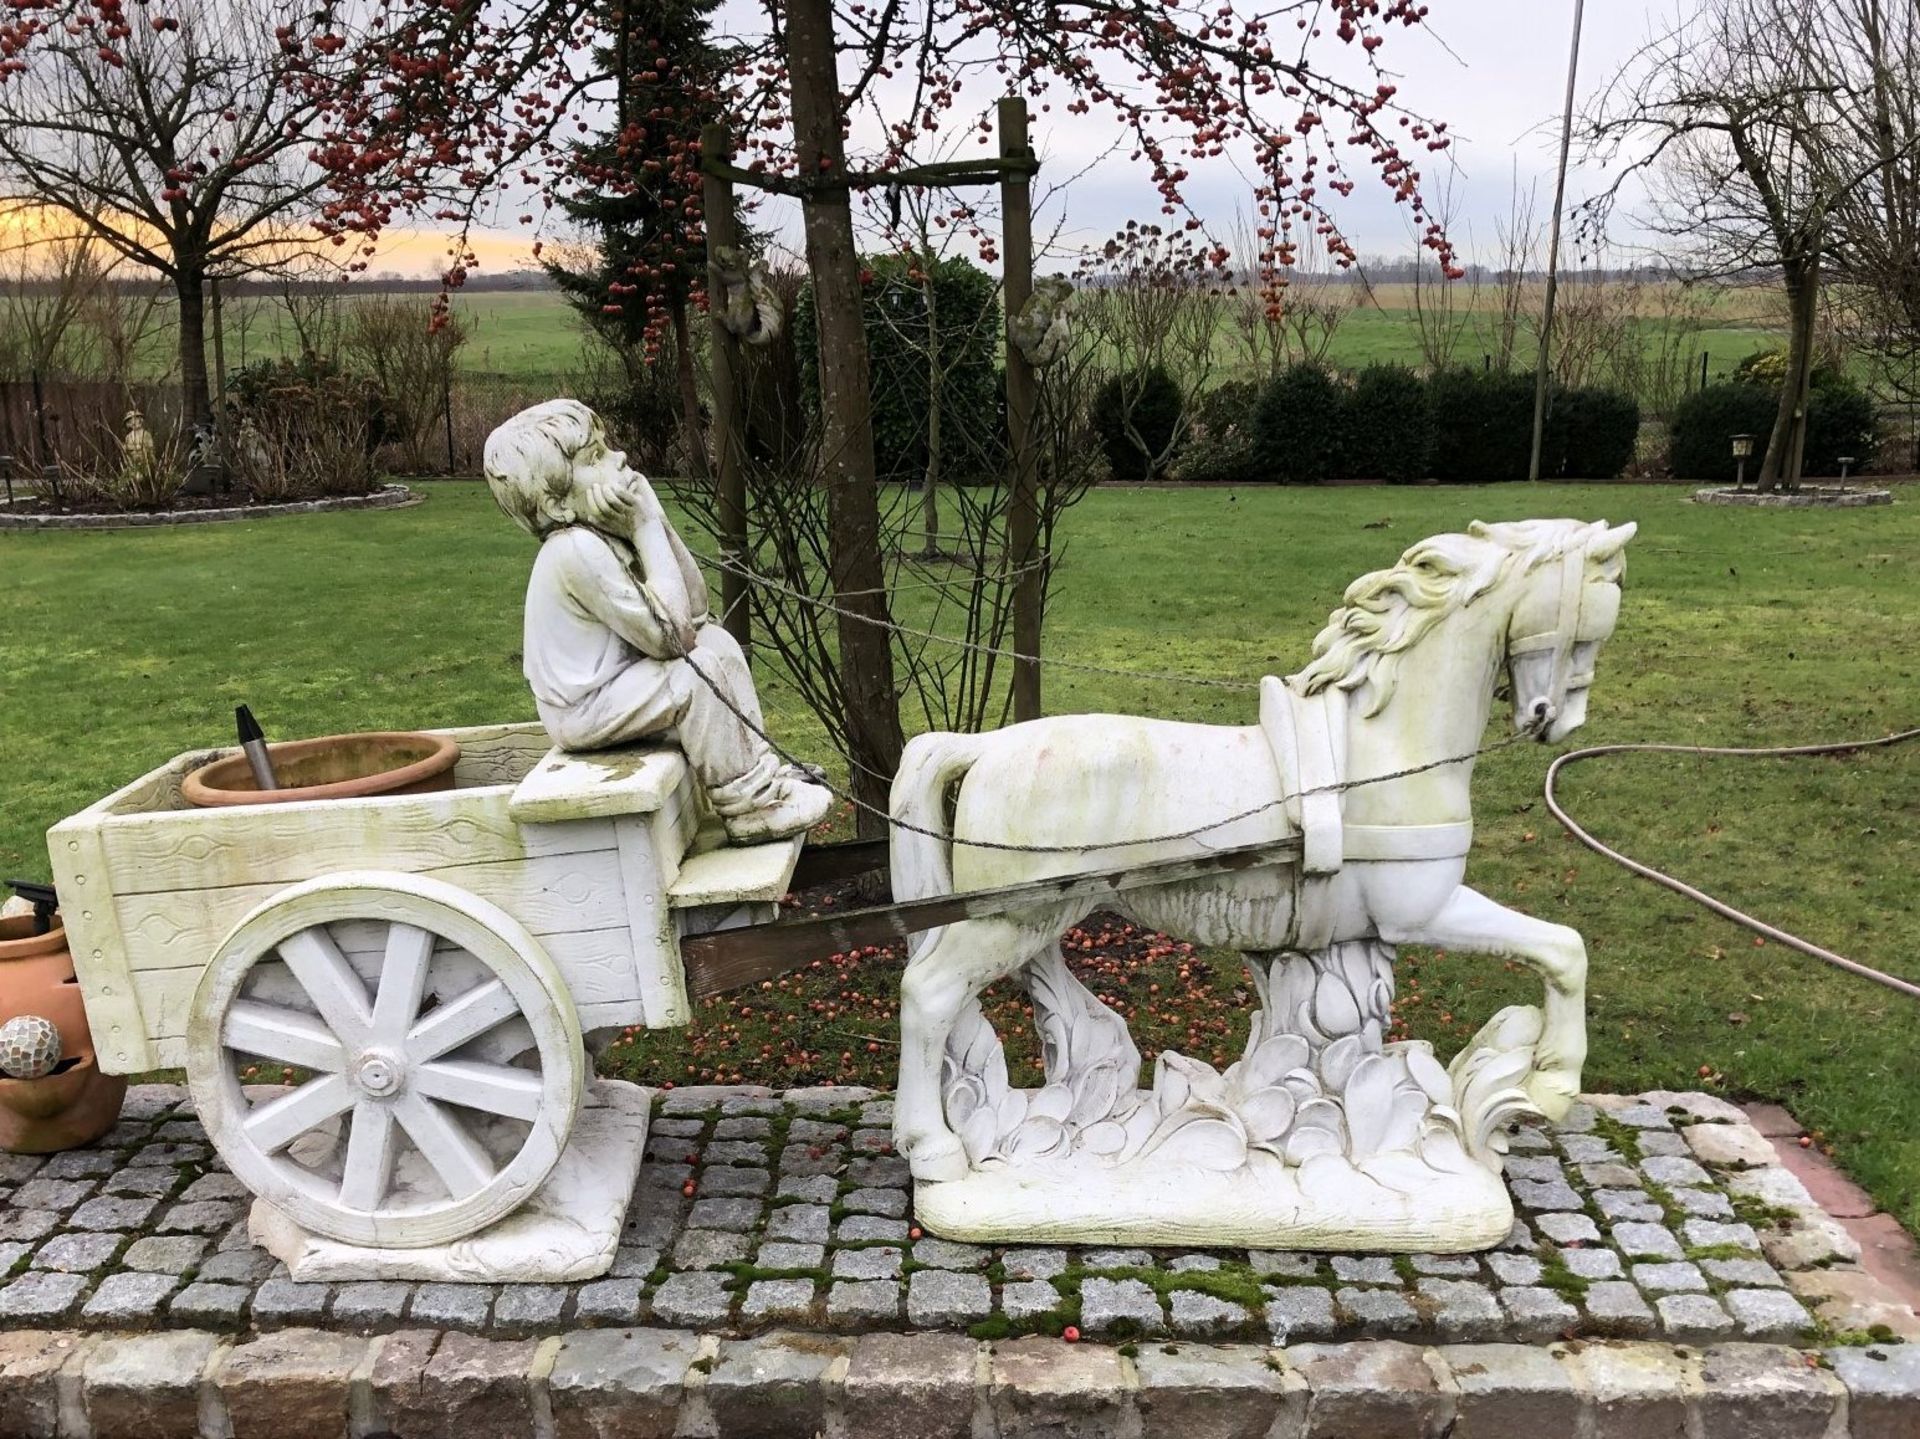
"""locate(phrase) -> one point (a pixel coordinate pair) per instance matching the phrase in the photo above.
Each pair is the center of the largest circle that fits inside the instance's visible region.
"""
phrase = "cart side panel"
(656, 949)
(101, 961)
(277, 844)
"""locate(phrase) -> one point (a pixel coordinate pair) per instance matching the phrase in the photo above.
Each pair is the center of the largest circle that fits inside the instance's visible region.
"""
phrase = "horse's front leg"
(1472, 922)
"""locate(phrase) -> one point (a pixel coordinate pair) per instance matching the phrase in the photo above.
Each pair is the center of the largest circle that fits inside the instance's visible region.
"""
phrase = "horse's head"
(1567, 608)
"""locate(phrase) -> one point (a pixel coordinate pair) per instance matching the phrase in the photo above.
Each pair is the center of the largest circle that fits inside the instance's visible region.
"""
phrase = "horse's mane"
(1390, 611)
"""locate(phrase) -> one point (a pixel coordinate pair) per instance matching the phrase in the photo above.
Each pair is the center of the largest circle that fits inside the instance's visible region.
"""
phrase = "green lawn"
(1739, 628)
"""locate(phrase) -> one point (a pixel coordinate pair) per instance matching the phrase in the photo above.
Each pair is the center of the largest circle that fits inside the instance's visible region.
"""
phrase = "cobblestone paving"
(1642, 1217)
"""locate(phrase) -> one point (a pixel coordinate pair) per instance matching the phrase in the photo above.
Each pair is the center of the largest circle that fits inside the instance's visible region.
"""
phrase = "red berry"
(1071, 1334)
(914, 1233)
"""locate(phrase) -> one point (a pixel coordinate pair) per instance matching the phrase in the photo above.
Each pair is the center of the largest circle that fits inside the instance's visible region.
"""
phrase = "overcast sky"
(1494, 70)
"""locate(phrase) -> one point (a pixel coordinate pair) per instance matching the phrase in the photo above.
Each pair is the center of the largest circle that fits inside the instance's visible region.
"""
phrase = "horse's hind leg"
(962, 960)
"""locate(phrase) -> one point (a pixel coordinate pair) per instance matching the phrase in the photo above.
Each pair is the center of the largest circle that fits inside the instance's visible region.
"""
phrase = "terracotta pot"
(76, 1104)
(344, 766)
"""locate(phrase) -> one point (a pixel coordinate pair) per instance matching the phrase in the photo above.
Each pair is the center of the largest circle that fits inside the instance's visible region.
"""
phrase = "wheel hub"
(379, 1074)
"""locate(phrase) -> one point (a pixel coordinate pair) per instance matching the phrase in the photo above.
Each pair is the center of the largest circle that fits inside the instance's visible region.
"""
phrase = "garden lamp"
(1847, 463)
(1742, 452)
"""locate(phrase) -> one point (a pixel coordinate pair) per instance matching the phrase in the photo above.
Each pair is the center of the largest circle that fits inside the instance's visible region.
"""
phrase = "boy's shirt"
(586, 620)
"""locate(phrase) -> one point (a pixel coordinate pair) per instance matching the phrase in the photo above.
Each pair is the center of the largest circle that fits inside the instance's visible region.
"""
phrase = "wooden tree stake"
(729, 420)
(1023, 505)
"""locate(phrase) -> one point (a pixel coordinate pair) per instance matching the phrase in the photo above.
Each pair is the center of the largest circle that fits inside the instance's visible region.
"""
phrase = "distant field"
(526, 336)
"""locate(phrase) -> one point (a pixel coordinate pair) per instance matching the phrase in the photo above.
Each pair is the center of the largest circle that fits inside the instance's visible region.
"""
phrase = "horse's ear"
(1613, 541)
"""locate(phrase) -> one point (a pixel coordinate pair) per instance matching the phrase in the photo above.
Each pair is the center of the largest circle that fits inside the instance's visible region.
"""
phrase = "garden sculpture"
(749, 308)
(617, 623)
(1041, 329)
(136, 450)
(1324, 1135)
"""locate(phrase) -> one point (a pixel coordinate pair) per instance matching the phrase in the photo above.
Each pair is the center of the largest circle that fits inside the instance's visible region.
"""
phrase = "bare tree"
(1876, 260)
(1754, 123)
(48, 276)
(181, 141)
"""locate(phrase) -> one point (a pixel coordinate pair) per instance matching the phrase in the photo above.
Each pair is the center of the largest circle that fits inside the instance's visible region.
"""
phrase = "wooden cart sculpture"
(409, 978)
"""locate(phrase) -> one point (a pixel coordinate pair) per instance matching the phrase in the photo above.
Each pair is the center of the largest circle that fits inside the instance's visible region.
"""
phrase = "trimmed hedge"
(894, 315)
(1840, 421)
(1296, 427)
(1387, 426)
(1483, 425)
(1591, 434)
(1149, 403)
(1221, 448)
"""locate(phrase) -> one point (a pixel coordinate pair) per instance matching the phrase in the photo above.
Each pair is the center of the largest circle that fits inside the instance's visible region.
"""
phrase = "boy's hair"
(529, 463)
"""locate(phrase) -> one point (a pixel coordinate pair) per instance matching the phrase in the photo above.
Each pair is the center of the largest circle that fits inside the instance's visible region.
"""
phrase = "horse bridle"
(1561, 639)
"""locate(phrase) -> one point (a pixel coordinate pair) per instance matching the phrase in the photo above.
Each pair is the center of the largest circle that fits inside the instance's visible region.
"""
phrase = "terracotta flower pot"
(76, 1104)
(346, 766)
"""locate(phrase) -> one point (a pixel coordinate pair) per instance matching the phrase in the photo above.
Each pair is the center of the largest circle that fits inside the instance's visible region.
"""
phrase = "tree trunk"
(853, 505)
(1786, 446)
(930, 485)
(189, 286)
(689, 392)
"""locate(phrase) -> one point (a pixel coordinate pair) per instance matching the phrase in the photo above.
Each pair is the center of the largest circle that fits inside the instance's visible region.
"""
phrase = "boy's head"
(530, 465)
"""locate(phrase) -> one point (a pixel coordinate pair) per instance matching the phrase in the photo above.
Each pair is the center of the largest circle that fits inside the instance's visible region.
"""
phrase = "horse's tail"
(922, 856)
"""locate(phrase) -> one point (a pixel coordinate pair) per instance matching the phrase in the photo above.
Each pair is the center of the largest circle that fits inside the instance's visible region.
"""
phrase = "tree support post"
(729, 443)
(1023, 503)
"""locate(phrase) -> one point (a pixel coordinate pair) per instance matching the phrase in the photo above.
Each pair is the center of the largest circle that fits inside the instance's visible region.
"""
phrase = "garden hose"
(1719, 907)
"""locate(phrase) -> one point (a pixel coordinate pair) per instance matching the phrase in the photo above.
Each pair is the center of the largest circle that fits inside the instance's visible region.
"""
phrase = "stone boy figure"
(617, 622)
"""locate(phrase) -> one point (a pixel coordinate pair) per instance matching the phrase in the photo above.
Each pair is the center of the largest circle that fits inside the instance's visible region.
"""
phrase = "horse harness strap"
(1562, 637)
(1308, 736)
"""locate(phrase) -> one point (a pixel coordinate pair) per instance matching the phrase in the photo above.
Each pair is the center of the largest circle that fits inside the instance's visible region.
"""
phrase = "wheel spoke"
(277, 1123)
(369, 1164)
(463, 1166)
(459, 1020)
(495, 1088)
(286, 1036)
(403, 979)
(330, 982)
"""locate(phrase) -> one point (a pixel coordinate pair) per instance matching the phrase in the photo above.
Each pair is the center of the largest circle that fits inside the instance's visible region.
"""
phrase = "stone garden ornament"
(1324, 1135)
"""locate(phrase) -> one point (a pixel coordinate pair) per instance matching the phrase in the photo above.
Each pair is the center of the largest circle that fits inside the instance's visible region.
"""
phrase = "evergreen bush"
(1591, 435)
(1482, 425)
(1297, 426)
(1136, 417)
(1387, 426)
(894, 307)
(1221, 446)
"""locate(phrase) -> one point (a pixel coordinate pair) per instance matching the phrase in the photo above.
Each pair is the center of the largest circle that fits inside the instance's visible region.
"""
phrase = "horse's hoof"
(937, 1160)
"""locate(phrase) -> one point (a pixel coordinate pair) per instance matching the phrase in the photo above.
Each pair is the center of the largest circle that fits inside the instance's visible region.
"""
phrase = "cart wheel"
(431, 1046)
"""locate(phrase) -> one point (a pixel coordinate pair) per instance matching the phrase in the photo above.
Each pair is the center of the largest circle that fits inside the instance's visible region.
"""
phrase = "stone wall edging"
(616, 1383)
(1823, 497)
(387, 497)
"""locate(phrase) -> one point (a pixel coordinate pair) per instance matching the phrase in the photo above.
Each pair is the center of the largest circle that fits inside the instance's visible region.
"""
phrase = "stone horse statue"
(1323, 1135)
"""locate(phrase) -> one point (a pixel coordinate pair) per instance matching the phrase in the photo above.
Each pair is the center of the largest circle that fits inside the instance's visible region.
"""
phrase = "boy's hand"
(611, 504)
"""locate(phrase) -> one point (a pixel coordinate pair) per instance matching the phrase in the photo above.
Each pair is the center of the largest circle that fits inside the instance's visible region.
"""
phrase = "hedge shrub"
(1483, 425)
(1387, 426)
(1592, 434)
(1297, 426)
(1220, 448)
(894, 309)
(1136, 409)
(1840, 421)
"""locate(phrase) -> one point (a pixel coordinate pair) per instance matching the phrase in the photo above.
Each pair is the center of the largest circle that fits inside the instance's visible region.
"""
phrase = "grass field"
(521, 335)
(1739, 628)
